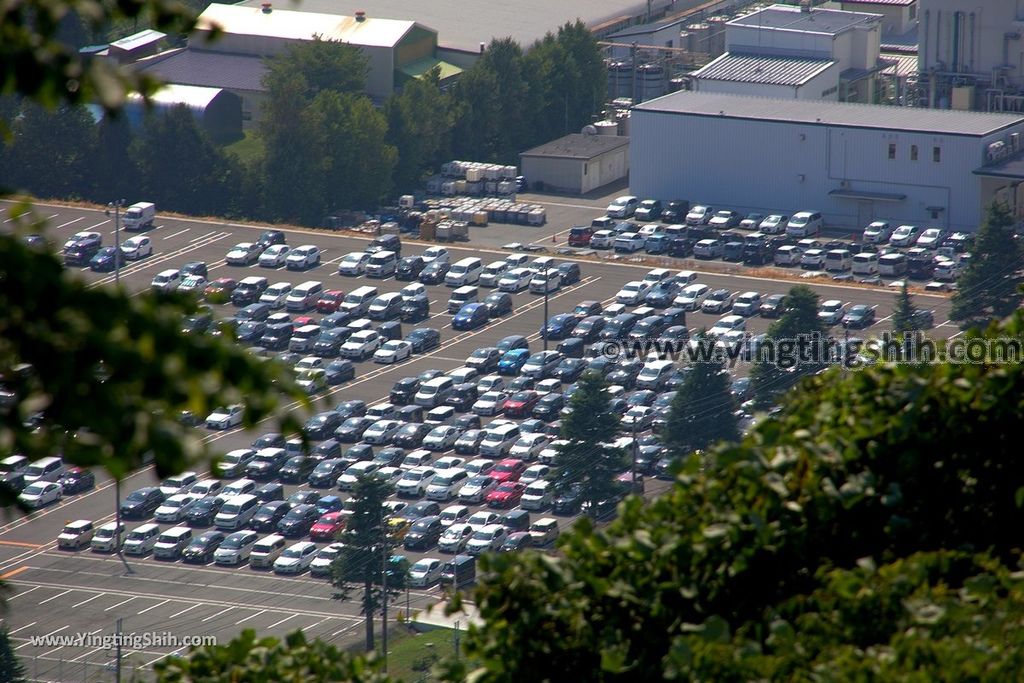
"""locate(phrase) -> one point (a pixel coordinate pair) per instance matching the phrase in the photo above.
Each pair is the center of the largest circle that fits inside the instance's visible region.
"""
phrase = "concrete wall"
(604, 169)
(576, 176)
(895, 18)
(766, 166)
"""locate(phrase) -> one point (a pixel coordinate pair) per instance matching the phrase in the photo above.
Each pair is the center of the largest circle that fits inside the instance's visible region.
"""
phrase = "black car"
(516, 520)
(325, 450)
(560, 326)
(269, 440)
(339, 371)
(411, 435)
(269, 238)
(104, 259)
(276, 337)
(328, 344)
(513, 341)
(498, 303)
(194, 268)
(680, 247)
(757, 254)
(415, 308)
(462, 397)
(403, 391)
(568, 502)
(675, 211)
(424, 533)
(200, 550)
(772, 306)
(466, 422)
(353, 408)
(326, 473)
(409, 268)
(435, 272)
(385, 243)
(570, 272)
(76, 480)
(590, 328)
(296, 469)
(247, 293)
(674, 316)
(424, 508)
(568, 370)
(266, 464)
(322, 425)
(267, 517)
(424, 339)
(351, 430)
(141, 503)
(625, 374)
(197, 324)
(662, 294)
(298, 520)
(548, 406)
(256, 311)
(203, 511)
(389, 457)
(392, 329)
(620, 326)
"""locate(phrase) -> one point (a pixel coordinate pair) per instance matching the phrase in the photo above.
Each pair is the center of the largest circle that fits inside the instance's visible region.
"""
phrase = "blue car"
(328, 504)
(560, 326)
(471, 316)
(512, 361)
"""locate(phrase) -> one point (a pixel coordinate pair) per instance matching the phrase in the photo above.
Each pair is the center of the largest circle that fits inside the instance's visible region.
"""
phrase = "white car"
(637, 417)
(877, 232)
(413, 289)
(535, 473)
(528, 446)
(727, 324)
(832, 311)
(84, 236)
(486, 538)
(629, 242)
(747, 303)
(905, 236)
(75, 534)
(931, 238)
(446, 484)
(243, 254)
(136, 247)
(353, 263)
(455, 538)
(392, 352)
(274, 256)
(483, 518)
(361, 345)
(454, 514)
(295, 558)
(415, 482)
(476, 488)
(180, 483)
(515, 280)
(108, 538)
(389, 474)
(622, 207)
(602, 239)
(773, 224)
(236, 548)
(309, 363)
(813, 259)
(448, 462)
(321, 564)
(193, 283)
(707, 248)
(436, 254)
(691, 298)
(492, 272)
(276, 294)
(425, 572)
(490, 403)
(41, 493)
(440, 438)
(381, 432)
(166, 280)
(699, 215)
(632, 293)
(225, 418)
(718, 301)
(347, 480)
(301, 258)
(175, 508)
(787, 255)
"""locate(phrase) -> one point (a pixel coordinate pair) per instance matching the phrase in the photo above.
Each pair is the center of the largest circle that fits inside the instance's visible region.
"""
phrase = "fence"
(100, 668)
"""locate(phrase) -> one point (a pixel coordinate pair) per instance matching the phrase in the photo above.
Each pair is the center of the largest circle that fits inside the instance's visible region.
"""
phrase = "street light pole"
(384, 611)
(544, 322)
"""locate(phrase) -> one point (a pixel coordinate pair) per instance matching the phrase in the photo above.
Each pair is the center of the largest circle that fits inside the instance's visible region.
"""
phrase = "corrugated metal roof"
(912, 119)
(790, 18)
(645, 29)
(421, 67)
(288, 24)
(189, 66)
(742, 68)
(878, 2)
(902, 65)
(193, 96)
(577, 146)
(137, 40)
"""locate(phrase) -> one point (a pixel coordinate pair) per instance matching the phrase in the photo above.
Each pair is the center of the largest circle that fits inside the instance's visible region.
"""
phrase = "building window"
(892, 150)
(831, 91)
(936, 154)
(913, 152)
(935, 215)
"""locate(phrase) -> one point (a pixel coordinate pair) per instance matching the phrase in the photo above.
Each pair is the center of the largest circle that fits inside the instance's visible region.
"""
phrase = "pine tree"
(585, 460)
(702, 410)
(988, 286)
(11, 668)
(903, 312)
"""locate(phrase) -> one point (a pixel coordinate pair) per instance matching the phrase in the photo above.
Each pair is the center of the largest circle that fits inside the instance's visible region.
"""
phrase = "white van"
(171, 542)
(304, 297)
(45, 469)
(804, 224)
(545, 280)
(382, 264)
(492, 273)
(358, 300)
(386, 306)
(239, 487)
(465, 272)
(462, 296)
(892, 264)
(237, 512)
(865, 263)
(838, 260)
(267, 550)
(166, 280)
(434, 392)
(654, 374)
(537, 496)
(141, 539)
(498, 441)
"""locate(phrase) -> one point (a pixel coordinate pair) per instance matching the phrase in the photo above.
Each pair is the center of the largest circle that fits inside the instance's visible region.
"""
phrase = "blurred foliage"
(987, 289)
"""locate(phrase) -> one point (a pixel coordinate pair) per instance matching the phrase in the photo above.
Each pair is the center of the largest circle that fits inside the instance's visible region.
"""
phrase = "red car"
(521, 403)
(509, 469)
(579, 236)
(327, 527)
(220, 289)
(507, 495)
(330, 300)
(303, 320)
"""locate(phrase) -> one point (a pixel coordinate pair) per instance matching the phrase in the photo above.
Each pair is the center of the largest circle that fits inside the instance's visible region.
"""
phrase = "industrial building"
(215, 110)
(577, 163)
(395, 49)
(853, 162)
(971, 54)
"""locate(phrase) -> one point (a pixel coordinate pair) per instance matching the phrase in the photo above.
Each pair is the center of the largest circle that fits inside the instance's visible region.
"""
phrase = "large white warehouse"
(853, 162)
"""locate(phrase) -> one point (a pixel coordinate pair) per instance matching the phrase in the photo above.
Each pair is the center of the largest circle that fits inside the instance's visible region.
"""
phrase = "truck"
(139, 216)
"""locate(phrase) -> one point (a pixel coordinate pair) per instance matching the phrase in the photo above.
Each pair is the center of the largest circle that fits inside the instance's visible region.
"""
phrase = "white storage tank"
(607, 127)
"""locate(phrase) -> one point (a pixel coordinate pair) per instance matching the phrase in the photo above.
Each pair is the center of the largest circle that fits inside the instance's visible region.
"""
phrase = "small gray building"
(576, 163)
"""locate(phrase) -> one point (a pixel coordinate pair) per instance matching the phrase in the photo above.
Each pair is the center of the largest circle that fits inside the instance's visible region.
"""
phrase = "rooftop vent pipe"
(360, 15)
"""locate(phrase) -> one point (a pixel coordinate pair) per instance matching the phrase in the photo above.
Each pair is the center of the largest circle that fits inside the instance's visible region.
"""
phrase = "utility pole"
(544, 323)
(116, 205)
(636, 454)
(117, 663)
(384, 611)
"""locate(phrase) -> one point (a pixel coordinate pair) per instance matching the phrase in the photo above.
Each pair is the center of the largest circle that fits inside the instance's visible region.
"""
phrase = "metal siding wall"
(784, 92)
(561, 174)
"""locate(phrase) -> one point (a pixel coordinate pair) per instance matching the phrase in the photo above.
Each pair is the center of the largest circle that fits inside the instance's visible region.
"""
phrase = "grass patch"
(249, 149)
(409, 654)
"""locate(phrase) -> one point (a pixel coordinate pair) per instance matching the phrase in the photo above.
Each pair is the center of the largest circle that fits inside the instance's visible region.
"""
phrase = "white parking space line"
(101, 223)
(71, 222)
(180, 232)
(51, 633)
(43, 602)
(21, 595)
(219, 613)
(22, 628)
(262, 611)
(79, 604)
(278, 623)
(187, 609)
(882, 320)
(124, 602)
(159, 604)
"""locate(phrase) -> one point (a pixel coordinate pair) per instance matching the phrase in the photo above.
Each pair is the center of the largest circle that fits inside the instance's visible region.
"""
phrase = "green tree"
(367, 546)
(50, 151)
(903, 312)
(702, 412)
(795, 335)
(420, 120)
(987, 288)
(477, 115)
(113, 166)
(269, 660)
(11, 668)
(586, 460)
(294, 189)
(569, 73)
(318, 66)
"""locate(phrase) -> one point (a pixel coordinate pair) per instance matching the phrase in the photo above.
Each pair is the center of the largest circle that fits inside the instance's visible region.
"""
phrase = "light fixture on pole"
(544, 322)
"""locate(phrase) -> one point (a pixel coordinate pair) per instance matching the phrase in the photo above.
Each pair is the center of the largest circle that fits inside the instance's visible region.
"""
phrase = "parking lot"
(62, 593)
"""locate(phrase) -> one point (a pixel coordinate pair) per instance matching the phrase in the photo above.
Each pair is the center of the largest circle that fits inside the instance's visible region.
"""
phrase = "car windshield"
(292, 553)
(505, 467)
(105, 533)
(483, 535)
(136, 496)
(232, 542)
(136, 536)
